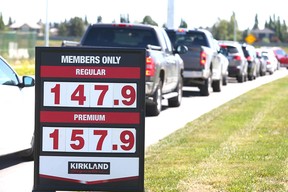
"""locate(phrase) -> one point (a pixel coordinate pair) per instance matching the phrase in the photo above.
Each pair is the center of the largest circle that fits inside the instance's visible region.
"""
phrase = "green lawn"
(240, 146)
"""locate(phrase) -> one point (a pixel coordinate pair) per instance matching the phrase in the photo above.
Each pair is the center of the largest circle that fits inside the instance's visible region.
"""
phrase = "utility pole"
(170, 14)
(235, 27)
(47, 27)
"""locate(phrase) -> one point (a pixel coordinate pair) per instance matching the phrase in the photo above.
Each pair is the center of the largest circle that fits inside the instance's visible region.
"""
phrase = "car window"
(232, 50)
(7, 75)
(280, 52)
(188, 38)
(167, 41)
(121, 37)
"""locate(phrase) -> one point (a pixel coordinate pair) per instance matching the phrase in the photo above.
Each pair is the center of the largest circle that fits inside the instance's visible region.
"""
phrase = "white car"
(16, 112)
(271, 60)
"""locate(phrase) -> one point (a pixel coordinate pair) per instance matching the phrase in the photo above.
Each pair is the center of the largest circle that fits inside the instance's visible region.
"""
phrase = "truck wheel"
(240, 78)
(204, 89)
(176, 101)
(224, 80)
(216, 85)
(155, 108)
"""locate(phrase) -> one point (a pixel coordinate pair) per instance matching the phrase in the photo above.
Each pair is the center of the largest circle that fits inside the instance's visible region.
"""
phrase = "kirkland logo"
(88, 167)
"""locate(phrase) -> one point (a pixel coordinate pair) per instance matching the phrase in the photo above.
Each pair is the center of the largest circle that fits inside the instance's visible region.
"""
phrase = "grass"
(240, 146)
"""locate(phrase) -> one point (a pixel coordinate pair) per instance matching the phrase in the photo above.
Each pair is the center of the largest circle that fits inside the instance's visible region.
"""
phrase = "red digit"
(78, 95)
(55, 136)
(103, 134)
(56, 91)
(103, 89)
(127, 137)
(77, 137)
(128, 92)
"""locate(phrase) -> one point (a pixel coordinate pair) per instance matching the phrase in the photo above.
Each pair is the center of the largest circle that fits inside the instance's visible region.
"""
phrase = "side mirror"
(28, 81)
(181, 49)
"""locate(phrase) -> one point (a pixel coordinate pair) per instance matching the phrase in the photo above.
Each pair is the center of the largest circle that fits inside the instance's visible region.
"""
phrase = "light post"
(47, 27)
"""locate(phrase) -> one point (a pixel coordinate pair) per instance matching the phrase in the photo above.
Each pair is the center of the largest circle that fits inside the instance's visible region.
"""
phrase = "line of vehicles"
(174, 58)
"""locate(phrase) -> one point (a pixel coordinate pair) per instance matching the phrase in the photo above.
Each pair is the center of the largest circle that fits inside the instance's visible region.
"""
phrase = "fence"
(17, 45)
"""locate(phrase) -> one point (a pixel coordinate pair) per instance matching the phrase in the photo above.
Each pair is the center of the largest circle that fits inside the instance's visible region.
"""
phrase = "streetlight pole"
(47, 27)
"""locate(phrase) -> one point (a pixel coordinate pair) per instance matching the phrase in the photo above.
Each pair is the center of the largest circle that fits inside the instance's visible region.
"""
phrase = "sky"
(196, 13)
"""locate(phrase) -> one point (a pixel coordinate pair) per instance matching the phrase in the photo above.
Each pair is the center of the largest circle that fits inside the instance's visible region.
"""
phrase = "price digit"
(77, 137)
(127, 138)
(128, 92)
(78, 95)
(55, 135)
(103, 134)
(103, 89)
(56, 91)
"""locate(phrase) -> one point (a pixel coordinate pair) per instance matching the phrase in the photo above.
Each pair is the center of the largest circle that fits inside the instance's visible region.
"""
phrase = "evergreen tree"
(183, 24)
(2, 25)
(256, 23)
(148, 20)
(99, 19)
(10, 22)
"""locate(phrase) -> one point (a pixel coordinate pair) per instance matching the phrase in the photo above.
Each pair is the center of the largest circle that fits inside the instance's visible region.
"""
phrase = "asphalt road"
(16, 175)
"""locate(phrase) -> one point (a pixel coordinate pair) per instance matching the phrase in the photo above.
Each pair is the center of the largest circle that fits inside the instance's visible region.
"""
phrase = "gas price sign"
(89, 119)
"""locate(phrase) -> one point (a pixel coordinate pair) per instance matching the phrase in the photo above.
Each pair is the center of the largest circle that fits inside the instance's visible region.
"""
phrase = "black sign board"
(89, 119)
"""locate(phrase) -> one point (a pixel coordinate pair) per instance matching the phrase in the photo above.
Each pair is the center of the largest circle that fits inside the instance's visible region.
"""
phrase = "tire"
(204, 89)
(176, 101)
(155, 108)
(240, 78)
(216, 85)
(224, 80)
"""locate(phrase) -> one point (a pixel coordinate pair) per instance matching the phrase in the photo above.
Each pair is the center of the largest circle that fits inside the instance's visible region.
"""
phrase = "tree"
(183, 24)
(256, 23)
(124, 18)
(10, 22)
(76, 27)
(63, 29)
(224, 30)
(2, 25)
(149, 20)
(86, 21)
(220, 30)
(99, 19)
(233, 28)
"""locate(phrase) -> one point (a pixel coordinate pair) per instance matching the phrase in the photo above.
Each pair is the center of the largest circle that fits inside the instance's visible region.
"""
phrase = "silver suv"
(237, 61)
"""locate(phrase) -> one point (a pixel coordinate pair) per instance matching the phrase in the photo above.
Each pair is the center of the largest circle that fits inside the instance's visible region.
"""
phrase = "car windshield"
(7, 75)
(121, 37)
(280, 52)
(189, 38)
(231, 49)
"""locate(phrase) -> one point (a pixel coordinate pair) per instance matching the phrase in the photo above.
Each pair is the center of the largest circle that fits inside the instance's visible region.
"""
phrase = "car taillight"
(237, 57)
(203, 58)
(249, 58)
(122, 25)
(223, 46)
(150, 67)
(268, 62)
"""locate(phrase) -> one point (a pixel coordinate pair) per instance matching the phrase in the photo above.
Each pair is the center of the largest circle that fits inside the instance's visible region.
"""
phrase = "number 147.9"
(90, 94)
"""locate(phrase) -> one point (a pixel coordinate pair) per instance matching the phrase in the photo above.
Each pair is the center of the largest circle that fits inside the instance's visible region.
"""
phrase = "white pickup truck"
(204, 64)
